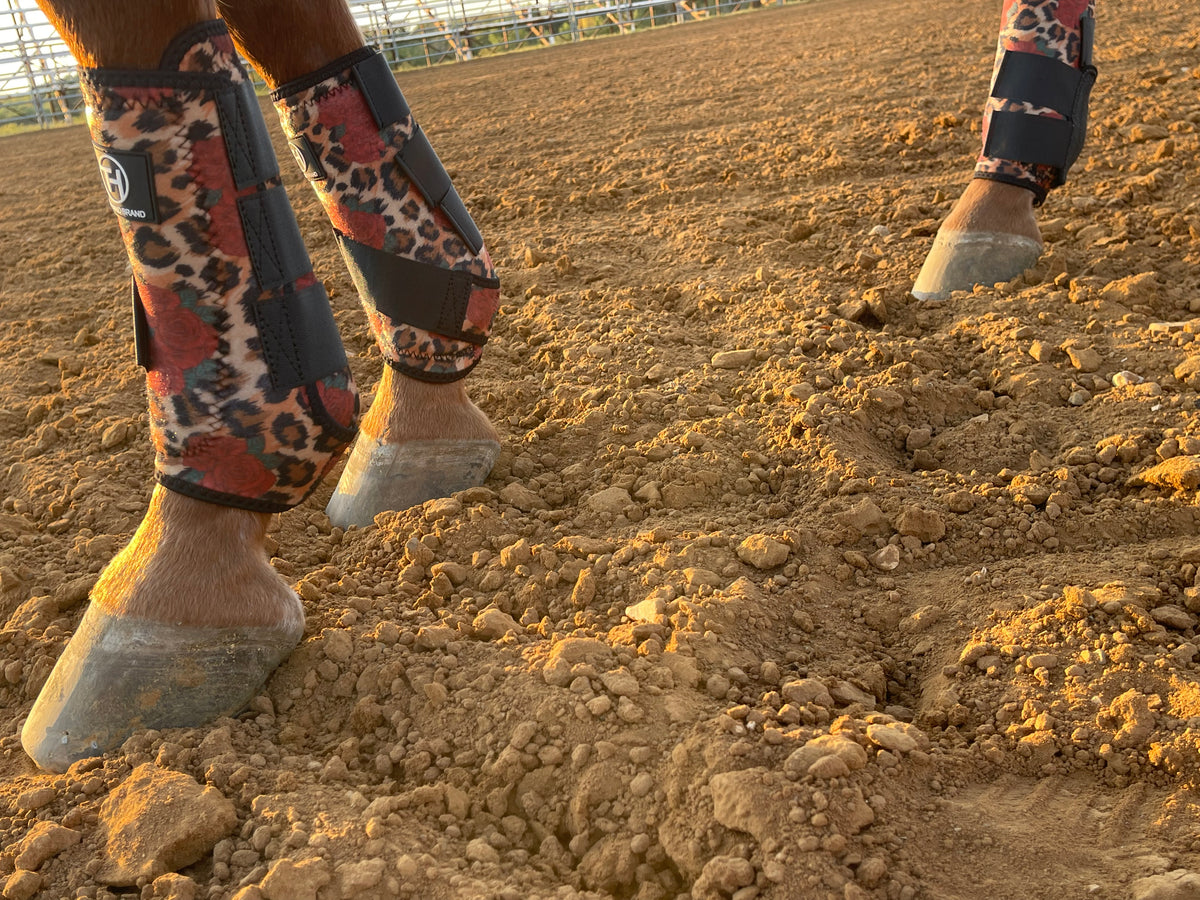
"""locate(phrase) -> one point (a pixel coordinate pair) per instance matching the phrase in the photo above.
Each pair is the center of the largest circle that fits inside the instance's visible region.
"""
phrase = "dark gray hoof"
(959, 260)
(384, 477)
(123, 675)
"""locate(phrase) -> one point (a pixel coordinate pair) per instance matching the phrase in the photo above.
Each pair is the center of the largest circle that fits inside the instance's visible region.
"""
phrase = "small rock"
(798, 393)
(827, 767)
(599, 351)
(695, 577)
(114, 436)
(886, 559)
(492, 624)
(723, 874)
(517, 554)
(844, 694)
(613, 500)
(803, 691)
(642, 784)
(1172, 616)
(865, 518)
(1131, 289)
(871, 871)
(918, 438)
(479, 850)
(1141, 133)
(174, 886)
(1042, 351)
(1042, 661)
(1179, 472)
(1178, 884)
(717, 686)
(522, 497)
(889, 737)
(1188, 372)
(620, 682)
(44, 840)
(443, 507)
(584, 590)
(652, 609)
(21, 885)
(1085, 359)
(287, 880)
(885, 398)
(36, 798)
(763, 552)
(356, 877)
(1131, 711)
(1124, 378)
(158, 821)
(925, 525)
(337, 644)
(732, 359)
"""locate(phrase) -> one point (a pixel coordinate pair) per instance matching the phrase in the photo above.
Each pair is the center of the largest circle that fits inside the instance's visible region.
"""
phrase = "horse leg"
(418, 261)
(1033, 129)
(250, 396)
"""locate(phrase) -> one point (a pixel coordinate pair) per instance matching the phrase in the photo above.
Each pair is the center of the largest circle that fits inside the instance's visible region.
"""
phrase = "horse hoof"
(383, 477)
(959, 260)
(123, 675)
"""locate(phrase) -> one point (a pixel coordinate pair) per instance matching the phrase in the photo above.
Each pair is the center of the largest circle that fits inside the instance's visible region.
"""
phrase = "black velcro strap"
(414, 293)
(1041, 80)
(299, 337)
(426, 171)
(246, 140)
(141, 328)
(276, 249)
(1029, 139)
(379, 88)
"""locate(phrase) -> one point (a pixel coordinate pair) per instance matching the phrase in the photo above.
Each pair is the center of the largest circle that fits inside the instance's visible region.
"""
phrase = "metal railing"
(39, 85)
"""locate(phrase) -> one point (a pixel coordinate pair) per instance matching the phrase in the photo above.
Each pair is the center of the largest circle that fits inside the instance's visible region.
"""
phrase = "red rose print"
(360, 141)
(338, 403)
(227, 465)
(481, 308)
(365, 227)
(179, 339)
(210, 170)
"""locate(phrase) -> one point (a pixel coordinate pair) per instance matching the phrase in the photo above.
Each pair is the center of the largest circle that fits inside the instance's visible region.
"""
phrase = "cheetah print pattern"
(221, 431)
(369, 199)
(1049, 28)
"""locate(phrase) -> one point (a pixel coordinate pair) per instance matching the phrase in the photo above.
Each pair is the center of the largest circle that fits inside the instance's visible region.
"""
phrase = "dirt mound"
(785, 585)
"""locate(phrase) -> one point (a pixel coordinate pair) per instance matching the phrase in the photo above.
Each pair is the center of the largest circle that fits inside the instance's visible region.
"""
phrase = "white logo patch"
(300, 160)
(116, 182)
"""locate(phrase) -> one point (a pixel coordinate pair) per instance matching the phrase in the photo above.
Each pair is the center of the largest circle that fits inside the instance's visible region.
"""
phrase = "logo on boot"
(116, 182)
(128, 180)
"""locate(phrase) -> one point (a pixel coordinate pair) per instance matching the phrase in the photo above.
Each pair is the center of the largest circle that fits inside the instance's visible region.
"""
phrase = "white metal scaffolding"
(39, 85)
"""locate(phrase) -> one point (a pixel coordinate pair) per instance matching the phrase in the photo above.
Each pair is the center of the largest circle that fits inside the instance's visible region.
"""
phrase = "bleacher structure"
(39, 85)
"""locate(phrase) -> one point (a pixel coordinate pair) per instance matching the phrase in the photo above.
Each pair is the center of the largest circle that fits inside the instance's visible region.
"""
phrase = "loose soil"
(785, 584)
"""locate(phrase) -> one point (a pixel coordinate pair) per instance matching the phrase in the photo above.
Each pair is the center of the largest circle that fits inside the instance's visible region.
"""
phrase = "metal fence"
(39, 84)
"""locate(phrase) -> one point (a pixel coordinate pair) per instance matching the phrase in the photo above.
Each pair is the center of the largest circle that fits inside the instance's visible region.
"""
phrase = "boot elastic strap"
(388, 107)
(1049, 83)
(418, 294)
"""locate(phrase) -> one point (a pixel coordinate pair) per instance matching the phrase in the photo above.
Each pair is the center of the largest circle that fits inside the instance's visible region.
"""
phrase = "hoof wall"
(383, 477)
(122, 675)
(959, 260)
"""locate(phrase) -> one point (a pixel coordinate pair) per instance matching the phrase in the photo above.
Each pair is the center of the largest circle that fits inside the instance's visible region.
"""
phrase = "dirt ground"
(785, 585)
